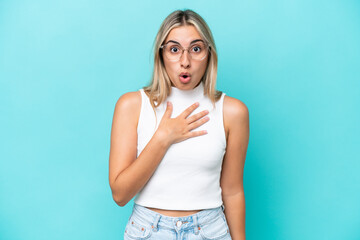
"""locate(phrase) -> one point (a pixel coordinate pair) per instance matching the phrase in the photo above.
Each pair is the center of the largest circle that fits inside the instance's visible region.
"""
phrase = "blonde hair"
(160, 86)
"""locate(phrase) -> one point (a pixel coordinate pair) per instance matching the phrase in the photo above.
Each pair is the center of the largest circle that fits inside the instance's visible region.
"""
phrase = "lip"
(185, 73)
(185, 80)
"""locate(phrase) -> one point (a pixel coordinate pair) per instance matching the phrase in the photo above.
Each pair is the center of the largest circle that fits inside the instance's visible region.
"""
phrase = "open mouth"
(185, 77)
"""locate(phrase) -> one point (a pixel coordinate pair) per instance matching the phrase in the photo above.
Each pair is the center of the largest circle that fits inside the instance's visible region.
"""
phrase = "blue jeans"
(207, 224)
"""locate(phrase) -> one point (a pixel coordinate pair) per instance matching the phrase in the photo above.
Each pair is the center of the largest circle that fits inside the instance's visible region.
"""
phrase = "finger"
(189, 110)
(168, 110)
(198, 123)
(197, 116)
(196, 133)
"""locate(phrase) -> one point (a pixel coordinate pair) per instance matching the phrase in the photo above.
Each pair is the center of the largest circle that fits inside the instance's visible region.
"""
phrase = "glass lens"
(174, 51)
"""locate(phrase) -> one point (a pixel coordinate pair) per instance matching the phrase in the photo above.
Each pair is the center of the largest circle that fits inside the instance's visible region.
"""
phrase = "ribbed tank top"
(188, 176)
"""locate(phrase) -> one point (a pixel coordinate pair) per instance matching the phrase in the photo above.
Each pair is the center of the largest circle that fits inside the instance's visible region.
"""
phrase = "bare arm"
(237, 122)
(128, 174)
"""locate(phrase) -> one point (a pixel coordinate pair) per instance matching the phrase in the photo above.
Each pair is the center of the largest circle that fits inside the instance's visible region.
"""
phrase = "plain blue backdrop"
(64, 64)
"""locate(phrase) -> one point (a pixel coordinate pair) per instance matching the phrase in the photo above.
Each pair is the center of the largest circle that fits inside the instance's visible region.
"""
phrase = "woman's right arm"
(128, 174)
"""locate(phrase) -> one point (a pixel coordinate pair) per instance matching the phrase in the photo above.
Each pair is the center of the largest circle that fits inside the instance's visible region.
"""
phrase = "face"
(195, 68)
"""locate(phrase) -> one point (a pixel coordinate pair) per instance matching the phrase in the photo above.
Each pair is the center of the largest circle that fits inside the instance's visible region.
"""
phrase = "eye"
(197, 49)
(174, 49)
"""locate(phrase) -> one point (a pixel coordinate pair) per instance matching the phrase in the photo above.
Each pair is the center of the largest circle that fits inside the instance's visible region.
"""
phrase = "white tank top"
(188, 177)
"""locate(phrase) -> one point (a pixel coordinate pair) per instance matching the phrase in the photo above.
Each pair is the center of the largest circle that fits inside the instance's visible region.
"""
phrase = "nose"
(185, 59)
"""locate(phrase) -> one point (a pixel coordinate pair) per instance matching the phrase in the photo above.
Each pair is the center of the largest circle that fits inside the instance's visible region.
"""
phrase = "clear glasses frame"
(207, 48)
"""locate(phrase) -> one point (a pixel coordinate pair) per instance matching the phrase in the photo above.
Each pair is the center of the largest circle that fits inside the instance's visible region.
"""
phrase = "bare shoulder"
(236, 113)
(235, 110)
(128, 105)
(129, 100)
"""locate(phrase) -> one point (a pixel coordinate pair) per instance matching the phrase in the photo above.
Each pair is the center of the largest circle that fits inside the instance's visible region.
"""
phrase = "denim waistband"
(156, 219)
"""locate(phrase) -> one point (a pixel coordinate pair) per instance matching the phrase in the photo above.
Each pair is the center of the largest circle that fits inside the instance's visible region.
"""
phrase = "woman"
(178, 145)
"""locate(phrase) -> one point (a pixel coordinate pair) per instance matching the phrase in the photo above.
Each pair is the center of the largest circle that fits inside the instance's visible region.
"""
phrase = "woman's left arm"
(236, 123)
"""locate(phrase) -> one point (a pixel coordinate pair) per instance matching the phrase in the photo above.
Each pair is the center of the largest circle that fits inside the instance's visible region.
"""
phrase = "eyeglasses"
(174, 51)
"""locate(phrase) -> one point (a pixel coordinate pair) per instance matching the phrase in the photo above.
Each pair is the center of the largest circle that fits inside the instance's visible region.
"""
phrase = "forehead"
(183, 34)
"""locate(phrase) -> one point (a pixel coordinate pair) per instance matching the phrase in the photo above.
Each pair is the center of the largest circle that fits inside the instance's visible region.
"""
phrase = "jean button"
(178, 224)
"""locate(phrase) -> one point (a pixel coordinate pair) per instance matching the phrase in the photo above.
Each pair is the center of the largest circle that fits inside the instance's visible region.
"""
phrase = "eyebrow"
(193, 41)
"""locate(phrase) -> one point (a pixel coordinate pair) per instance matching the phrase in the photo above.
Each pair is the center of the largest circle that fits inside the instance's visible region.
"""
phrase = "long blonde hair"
(160, 86)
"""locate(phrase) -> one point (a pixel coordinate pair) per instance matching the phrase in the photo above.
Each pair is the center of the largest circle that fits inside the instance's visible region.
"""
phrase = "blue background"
(64, 64)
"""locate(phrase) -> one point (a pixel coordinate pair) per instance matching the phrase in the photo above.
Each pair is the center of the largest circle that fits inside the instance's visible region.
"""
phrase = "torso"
(181, 213)
(173, 213)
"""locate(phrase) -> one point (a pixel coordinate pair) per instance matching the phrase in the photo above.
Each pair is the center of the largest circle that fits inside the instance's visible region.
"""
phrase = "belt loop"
(196, 229)
(156, 221)
(223, 207)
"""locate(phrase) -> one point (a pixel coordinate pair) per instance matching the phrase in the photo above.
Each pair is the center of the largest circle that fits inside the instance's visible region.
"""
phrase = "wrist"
(162, 139)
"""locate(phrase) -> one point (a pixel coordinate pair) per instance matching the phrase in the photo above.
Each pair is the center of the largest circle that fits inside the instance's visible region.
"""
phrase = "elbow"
(119, 200)
(119, 195)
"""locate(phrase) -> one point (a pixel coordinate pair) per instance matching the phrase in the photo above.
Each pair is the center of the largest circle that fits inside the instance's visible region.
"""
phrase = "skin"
(127, 176)
(184, 35)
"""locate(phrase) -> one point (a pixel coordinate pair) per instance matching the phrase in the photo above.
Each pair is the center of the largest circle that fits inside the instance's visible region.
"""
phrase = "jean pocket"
(136, 230)
(215, 230)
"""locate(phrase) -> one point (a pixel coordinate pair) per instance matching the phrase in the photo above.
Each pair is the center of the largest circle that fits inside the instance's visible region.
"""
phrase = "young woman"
(178, 145)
